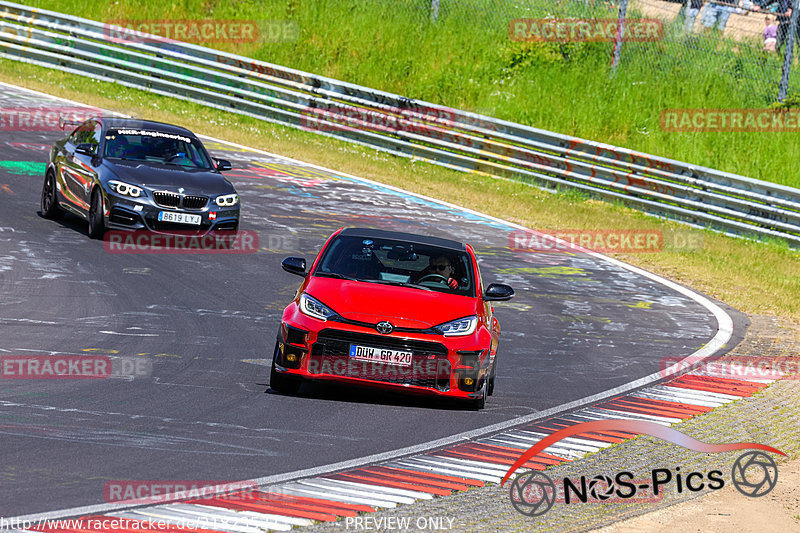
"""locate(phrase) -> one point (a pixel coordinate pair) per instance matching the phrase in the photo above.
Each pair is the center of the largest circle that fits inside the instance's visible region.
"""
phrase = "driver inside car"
(117, 147)
(441, 266)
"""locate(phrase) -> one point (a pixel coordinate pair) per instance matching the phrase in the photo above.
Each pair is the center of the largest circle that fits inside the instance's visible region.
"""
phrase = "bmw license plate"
(179, 218)
(380, 355)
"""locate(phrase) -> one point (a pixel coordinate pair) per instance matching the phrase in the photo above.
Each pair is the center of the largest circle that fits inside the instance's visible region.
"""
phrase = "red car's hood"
(402, 306)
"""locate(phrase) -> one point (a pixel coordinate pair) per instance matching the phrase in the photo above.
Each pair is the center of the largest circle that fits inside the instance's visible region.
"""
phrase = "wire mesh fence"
(747, 40)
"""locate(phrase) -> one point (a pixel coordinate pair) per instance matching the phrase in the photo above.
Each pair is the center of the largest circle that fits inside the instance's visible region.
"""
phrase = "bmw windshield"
(391, 262)
(155, 147)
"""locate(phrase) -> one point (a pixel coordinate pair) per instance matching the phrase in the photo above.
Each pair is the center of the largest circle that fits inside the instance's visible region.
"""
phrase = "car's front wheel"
(97, 225)
(49, 205)
(480, 402)
(281, 382)
(490, 383)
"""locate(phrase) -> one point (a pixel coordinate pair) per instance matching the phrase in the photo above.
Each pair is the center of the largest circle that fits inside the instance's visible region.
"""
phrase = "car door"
(78, 171)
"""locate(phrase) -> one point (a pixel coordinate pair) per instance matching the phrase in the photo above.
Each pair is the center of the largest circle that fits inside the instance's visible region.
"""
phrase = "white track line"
(575, 441)
(417, 495)
(624, 415)
(671, 397)
(701, 393)
(296, 489)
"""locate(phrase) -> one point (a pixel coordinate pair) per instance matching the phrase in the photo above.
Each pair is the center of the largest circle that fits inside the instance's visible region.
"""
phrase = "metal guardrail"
(456, 139)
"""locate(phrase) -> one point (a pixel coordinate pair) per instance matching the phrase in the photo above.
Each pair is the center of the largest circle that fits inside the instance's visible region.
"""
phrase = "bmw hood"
(402, 306)
(171, 178)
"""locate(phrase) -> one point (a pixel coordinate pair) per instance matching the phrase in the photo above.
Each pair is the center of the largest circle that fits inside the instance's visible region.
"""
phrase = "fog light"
(468, 381)
(291, 357)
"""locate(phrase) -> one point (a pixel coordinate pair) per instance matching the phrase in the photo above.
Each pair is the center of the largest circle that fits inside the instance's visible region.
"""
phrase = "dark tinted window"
(86, 133)
(394, 262)
(156, 147)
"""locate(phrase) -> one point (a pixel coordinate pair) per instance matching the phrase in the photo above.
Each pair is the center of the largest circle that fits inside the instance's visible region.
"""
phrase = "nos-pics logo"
(533, 493)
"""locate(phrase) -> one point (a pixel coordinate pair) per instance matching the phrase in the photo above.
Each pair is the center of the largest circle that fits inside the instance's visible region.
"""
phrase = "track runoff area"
(189, 339)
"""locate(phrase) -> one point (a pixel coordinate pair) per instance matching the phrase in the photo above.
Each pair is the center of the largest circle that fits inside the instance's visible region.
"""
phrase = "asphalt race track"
(206, 324)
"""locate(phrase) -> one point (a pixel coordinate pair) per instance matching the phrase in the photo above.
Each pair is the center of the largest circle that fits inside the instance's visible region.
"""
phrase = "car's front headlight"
(227, 200)
(314, 308)
(460, 327)
(125, 189)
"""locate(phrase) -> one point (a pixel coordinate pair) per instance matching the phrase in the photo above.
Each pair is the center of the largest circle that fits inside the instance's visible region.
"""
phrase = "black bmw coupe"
(128, 174)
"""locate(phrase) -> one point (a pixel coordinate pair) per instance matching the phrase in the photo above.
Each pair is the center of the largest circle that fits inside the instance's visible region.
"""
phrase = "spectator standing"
(784, 22)
(693, 8)
(770, 34)
(717, 13)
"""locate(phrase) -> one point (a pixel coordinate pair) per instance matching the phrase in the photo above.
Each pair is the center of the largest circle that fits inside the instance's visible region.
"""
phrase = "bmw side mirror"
(498, 292)
(295, 265)
(223, 165)
(86, 149)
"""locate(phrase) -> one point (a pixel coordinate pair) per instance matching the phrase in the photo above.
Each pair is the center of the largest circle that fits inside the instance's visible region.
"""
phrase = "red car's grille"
(429, 366)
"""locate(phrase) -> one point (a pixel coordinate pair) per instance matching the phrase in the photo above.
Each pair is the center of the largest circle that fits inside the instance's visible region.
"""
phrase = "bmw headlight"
(314, 308)
(125, 189)
(460, 327)
(228, 200)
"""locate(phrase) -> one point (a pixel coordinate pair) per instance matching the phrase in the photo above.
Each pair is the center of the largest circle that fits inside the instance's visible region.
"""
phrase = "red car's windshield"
(402, 263)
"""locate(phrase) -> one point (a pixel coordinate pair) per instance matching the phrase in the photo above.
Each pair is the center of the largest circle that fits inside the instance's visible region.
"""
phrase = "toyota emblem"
(384, 328)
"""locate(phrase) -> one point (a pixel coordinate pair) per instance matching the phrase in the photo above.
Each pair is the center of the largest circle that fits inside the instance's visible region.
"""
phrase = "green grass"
(465, 62)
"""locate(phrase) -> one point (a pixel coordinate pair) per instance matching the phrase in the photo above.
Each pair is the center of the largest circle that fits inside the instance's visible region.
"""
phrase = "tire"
(490, 385)
(479, 403)
(281, 382)
(49, 201)
(97, 226)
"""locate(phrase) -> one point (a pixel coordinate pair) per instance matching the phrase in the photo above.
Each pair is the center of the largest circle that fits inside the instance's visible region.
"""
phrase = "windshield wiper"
(334, 275)
(397, 284)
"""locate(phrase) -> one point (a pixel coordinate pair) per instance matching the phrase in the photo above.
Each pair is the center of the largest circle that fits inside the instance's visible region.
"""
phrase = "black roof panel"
(400, 236)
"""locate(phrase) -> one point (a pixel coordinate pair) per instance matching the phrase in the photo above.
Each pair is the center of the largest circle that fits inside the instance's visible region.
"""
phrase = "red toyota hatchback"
(391, 310)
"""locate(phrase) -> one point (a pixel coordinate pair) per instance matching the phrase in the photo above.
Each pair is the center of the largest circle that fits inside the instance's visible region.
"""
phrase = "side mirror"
(498, 292)
(223, 165)
(86, 149)
(294, 265)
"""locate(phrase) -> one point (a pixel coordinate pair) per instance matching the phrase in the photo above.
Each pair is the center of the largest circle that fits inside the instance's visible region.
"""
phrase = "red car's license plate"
(380, 355)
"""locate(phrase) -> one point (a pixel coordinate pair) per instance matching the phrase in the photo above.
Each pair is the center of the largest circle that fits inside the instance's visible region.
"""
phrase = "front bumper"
(125, 213)
(454, 367)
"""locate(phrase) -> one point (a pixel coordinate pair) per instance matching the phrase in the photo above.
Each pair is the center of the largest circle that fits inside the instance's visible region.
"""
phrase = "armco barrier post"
(434, 10)
(623, 11)
(789, 53)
